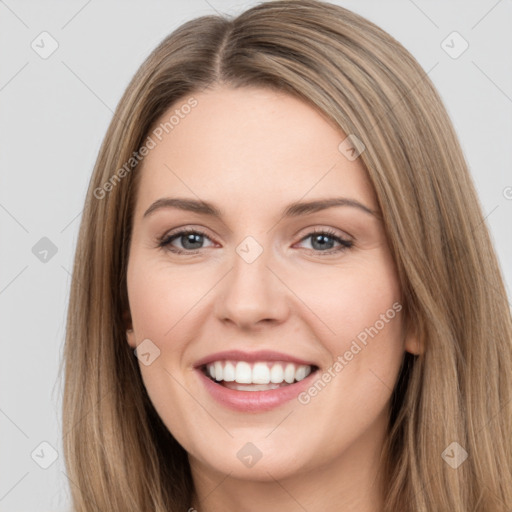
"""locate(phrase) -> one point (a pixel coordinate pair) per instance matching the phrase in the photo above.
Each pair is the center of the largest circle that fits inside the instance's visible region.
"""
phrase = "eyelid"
(325, 229)
(165, 240)
(343, 240)
(308, 231)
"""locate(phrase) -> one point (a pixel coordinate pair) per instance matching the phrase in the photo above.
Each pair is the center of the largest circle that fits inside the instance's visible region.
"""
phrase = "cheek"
(361, 304)
(348, 301)
(159, 297)
(162, 305)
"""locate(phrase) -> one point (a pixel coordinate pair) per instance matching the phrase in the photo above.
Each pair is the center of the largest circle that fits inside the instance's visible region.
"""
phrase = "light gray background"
(54, 114)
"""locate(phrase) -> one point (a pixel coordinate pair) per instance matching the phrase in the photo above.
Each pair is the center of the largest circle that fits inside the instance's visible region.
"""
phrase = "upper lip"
(259, 355)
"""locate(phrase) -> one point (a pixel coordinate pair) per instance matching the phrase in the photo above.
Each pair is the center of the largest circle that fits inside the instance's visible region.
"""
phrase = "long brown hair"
(119, 455)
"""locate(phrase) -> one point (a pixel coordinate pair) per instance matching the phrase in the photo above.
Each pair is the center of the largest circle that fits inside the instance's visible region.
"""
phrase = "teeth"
(301, 373)
(229, 372)
(276, 374)
(289, 373)
(243, 372)
(261, 372)
(218, 370)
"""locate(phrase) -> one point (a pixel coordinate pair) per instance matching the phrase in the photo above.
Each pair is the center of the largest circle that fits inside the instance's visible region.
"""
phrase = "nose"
(253, 293)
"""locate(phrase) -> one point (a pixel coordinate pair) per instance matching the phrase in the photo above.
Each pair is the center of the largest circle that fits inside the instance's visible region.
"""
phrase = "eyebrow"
(292, 210)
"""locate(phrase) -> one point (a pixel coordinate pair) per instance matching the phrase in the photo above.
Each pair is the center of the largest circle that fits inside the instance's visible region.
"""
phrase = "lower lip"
(254, 401)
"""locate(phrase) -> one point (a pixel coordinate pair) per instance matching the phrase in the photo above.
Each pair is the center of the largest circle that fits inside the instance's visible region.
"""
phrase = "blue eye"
(324, 239)
(192, 240)
(189, 238)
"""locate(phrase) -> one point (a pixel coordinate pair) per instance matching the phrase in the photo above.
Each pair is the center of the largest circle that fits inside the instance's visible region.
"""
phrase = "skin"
(251, 152)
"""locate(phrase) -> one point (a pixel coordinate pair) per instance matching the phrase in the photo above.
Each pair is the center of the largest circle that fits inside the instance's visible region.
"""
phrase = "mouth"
(256, 376)
(254, 382)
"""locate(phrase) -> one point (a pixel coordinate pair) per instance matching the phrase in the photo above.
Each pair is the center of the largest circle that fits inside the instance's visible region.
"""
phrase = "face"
(299, 305)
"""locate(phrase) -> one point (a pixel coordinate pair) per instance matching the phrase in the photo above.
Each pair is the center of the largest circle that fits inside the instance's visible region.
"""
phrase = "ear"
(130, 335)
(414, 344)
(130, 338)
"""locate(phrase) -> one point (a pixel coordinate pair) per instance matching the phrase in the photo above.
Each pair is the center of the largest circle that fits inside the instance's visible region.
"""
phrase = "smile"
(257, 376)
(254, 382)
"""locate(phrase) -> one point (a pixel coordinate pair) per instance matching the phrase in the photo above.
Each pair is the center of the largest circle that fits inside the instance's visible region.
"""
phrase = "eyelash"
(165, 241)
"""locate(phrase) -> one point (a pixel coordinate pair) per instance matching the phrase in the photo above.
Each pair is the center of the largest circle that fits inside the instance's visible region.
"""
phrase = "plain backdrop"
(54, 111)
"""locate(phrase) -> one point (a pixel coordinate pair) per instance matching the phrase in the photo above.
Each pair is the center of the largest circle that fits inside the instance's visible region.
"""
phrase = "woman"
(284, 295)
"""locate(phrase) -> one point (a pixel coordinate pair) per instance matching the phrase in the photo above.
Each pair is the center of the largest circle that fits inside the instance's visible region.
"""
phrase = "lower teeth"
(251, 387)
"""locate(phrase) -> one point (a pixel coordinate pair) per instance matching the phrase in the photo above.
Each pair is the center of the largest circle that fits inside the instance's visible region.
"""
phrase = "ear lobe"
(130, 335)
(413, 334)
(413, 346)
(130, 338)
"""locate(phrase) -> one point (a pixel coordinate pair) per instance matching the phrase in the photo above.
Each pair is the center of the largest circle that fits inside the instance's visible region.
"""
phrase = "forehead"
(237, 146)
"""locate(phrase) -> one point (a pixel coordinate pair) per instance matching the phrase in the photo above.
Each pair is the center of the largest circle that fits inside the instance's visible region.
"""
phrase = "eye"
(322, 241)
(190, 239)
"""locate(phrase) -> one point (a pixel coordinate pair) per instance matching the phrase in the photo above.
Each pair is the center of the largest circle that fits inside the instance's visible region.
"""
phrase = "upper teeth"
(257, 373)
